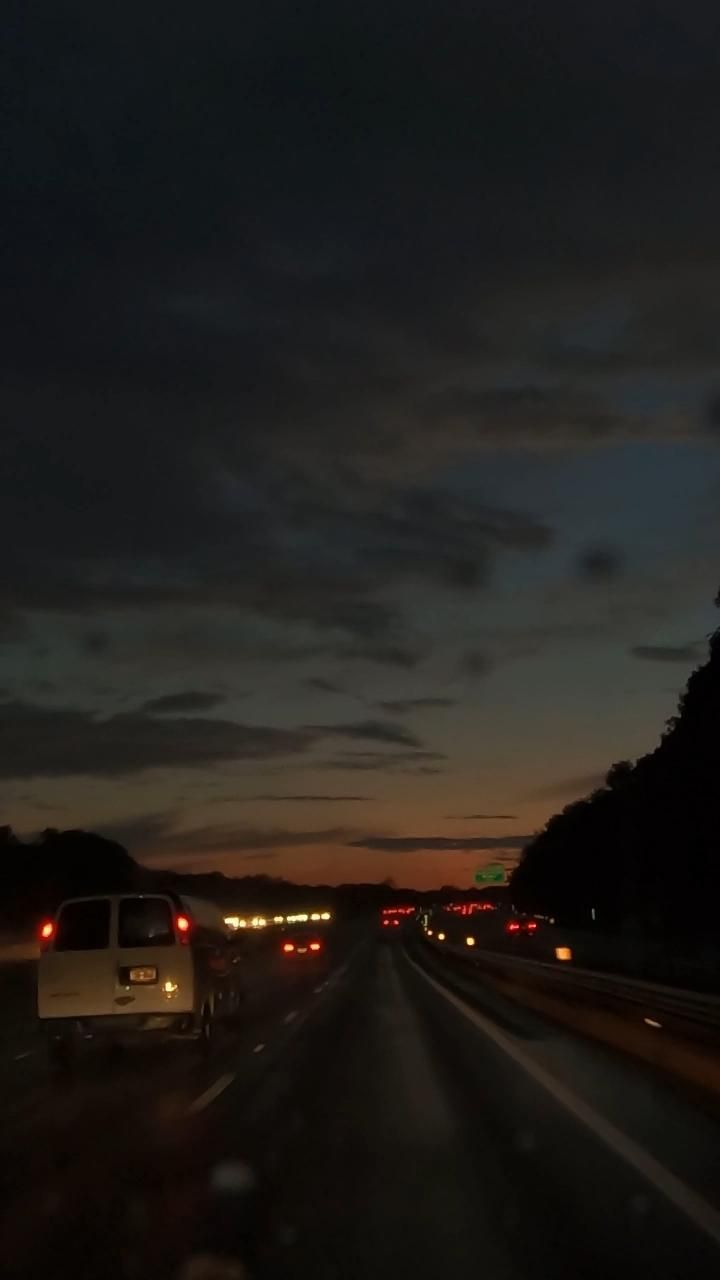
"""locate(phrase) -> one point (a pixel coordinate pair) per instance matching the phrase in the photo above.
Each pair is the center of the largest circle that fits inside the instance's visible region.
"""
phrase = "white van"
(135, 965)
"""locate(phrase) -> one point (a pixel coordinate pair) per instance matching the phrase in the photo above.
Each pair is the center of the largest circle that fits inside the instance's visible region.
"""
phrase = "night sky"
(360, 475)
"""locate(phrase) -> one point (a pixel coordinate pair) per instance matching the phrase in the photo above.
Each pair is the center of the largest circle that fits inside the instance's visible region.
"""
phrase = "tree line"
(36, 875)
(642, 853)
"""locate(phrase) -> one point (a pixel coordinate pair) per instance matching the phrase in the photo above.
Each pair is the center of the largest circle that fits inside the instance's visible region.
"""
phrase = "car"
(392, 920)
(133, 967)
(519, 926)
(303, 945)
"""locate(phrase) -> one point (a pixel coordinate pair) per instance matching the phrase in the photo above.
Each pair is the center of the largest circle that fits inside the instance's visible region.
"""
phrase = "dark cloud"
(42, 686)
(306, 799)
(206, 637)
(528, 414)
(382, 655)
(58, 742)
(666, 652)
(211, 839)
(282, 386)
(313, 556)
(369, 731)
(422, 771)
(177, 703)
(476, 664)
(441, 844)
(478, 817)
(530, 639)
(600, 564)
(35, 802)
(319, 685)
(55, 742)
(400, 706)
(96, 643)
(158, 837)
(415, 762)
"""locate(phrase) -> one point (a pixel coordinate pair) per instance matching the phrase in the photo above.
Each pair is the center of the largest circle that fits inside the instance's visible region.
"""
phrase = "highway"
(368, 1119)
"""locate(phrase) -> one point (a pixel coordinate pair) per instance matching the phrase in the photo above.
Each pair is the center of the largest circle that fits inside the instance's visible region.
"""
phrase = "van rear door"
(75, 976)
(153, 961)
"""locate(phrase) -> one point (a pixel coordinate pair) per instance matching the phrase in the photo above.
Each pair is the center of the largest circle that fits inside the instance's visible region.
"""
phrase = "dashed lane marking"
(212, 1093)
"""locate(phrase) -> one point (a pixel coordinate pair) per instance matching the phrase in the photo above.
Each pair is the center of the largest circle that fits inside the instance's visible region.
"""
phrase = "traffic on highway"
(367, 1109)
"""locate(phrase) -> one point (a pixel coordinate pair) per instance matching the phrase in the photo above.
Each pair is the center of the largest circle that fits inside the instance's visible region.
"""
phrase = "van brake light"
(182, 924)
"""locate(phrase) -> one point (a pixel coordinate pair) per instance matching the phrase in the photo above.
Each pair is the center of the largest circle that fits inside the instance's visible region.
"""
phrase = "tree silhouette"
(643, 850)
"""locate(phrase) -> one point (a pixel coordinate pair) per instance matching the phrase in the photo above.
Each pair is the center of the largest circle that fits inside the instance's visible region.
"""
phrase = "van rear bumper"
(123, 1027)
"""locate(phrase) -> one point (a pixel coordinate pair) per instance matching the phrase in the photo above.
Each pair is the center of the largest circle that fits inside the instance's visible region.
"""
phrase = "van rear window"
(145, 922)
(83, 926)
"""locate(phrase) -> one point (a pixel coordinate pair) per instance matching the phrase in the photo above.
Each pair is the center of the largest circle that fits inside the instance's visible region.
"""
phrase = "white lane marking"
(212, 1093)
(258, 1048)
(697, 1209)
(290, 1016)
(19, 1057)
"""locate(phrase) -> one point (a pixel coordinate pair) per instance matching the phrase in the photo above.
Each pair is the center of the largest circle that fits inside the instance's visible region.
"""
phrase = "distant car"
(303, 945)
(519, 926)
(389, 925)
(133, 967)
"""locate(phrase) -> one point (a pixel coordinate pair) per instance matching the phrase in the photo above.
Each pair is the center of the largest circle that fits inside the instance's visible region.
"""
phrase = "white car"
(132, 966)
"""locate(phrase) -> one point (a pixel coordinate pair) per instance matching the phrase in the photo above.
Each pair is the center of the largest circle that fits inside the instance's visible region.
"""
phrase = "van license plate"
(144, 973)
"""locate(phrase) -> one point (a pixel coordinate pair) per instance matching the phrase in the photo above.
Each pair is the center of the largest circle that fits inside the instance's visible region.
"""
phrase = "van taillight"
(46, 931)
(182, 924)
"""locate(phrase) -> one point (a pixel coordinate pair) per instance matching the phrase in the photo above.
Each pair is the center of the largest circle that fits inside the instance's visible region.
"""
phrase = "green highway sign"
(490, 875)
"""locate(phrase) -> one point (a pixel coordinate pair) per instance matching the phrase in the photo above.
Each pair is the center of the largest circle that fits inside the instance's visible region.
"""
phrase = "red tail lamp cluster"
(182, 924)
(46, 933)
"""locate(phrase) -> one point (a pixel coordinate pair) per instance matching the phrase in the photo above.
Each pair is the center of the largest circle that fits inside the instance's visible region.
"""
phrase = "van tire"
(206, 1037)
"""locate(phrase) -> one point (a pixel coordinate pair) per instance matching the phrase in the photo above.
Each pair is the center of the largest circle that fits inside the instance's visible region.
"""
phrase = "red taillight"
(314, 946)
(182, 924)
(385, 924)
(531, 926)
(396, 923)
(288, 946)
(47, 930)
(512, 926)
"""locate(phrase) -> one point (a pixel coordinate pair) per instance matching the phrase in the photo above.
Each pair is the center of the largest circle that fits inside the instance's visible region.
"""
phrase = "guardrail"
(650, 1000)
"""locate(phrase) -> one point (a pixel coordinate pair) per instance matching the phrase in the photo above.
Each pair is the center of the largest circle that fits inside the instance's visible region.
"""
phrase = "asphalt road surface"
(367, 1120)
